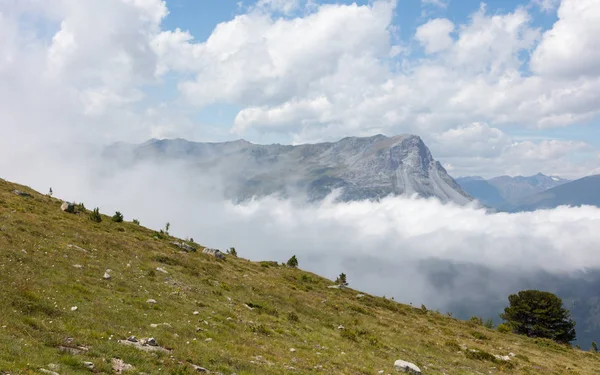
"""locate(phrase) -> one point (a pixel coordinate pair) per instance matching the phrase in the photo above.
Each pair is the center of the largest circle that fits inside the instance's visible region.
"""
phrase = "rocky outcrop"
(68, 207)
(184, 246)
(214, 252)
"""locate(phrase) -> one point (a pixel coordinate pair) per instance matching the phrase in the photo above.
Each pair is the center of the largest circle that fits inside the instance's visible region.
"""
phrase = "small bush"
(480, 355)
(489, 324)
(504, 328)
(95, 215)
(117, 217)
(159, 235)
(136, 221)
(476, 320)
(293, 317)
(292, 262)
(233, 252)
(479, 335)
(167, 227)
(341, 280)
(81, 207)
(594, 347)
(452, 346)
(348, 334)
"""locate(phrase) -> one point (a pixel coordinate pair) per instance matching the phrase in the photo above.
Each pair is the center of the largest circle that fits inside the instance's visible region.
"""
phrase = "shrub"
(539, 314)
(293, 317)
(117, 217)
(476, 320)
(341, 280)
(232, 252)
(81, 207)
(480, 355)
(95, 215)
(292, 262)
(594, 347)
(136, 221)
(489, 324)
(167, 227)
(504, 328)
(479, 335)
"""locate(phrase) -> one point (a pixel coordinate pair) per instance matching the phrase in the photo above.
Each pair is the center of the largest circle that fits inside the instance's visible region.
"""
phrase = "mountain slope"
(482, 190)
(513, 189)
(229, 316)
(364, 168)
(585, 191)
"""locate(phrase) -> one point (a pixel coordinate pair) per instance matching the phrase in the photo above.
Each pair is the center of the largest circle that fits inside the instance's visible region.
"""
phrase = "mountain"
(365, 168)
(513, 189)
(82, 297)
(505, 192)
(585, 191)
(482, 190)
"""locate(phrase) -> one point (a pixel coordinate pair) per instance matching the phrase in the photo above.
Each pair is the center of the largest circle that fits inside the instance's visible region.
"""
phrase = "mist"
(416, 250)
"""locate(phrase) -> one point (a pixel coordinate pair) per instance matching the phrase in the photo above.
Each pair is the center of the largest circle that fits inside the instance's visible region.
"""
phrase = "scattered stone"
(88, 365)
(74, 308)
(76, 247)
(71, 350)
(340, 327)
(184, 246)
(502, 357)
(152, 301)
(360, 295)
(107, 275)
(153, 325)
(208, 340)
(119, 366)
(53, 366)
(336, 287)
(78, 266)
(43, 370)
(198, 368)
(214, 252)
(512, 354)
(68, 207)
(407, 367)
(161, 270)
(21, 193)
(145, 345)
(132, 339)
(248, 307)
(292, 350)
(195, 313)
(380, 372)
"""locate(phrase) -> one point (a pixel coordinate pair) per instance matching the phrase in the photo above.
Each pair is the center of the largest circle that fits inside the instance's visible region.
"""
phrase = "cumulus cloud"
(435, 35)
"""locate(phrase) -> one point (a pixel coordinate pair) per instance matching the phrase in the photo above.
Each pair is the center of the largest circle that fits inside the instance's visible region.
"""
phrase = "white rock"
(292, 350)
(196, 313)
(153, 301)
(407, 367)
(74, 308)
(67, 207)
(512, 354)
(340, 327)
(161, 270)
(89, 365)
(360, 295)
(107, 275)
(502, 357)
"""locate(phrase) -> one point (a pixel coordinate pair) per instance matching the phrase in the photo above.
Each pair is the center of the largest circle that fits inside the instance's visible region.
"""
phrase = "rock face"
(68, 207)
(364, 168)
(407, 367)
(214, 252)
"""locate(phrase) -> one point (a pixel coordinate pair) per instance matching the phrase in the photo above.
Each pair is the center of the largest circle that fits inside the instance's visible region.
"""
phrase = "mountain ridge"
(363, 167)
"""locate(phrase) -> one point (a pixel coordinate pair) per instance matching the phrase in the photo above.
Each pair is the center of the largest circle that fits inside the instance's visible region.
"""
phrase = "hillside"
(585, 191)
(364, 167)
(228, 316)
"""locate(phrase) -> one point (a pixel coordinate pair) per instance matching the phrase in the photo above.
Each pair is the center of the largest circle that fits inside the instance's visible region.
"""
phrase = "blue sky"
(494, 87)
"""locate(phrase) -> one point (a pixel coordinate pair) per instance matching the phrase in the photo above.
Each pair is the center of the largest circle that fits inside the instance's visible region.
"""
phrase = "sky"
(493, 88)
(501, 87)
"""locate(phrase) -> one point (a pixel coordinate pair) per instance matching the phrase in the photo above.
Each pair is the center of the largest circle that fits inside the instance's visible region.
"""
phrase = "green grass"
(250, 314)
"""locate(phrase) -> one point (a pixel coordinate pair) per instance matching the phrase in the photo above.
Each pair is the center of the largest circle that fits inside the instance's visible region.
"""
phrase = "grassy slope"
(39, 285)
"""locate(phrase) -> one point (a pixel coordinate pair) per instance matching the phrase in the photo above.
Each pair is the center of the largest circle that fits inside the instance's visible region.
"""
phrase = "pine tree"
(293, 262)
(539, 314)
(341, 280)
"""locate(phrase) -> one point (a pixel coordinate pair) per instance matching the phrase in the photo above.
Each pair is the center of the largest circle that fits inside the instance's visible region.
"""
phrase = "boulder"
(214, 252)
(68, 207)
(407, 367)
(119, 366)
(184, 246)
(151, 301)
(89, 365)
(21, 193)
(107, 275)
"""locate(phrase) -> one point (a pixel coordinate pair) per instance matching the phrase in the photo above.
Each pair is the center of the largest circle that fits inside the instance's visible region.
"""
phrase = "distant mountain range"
(520, 193)
(364, 168)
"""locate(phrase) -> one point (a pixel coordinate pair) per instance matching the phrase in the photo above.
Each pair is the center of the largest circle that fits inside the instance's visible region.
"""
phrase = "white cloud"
(437, 3)
(281, 6)
(547, 5)
(435, 35)
(571, 48)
